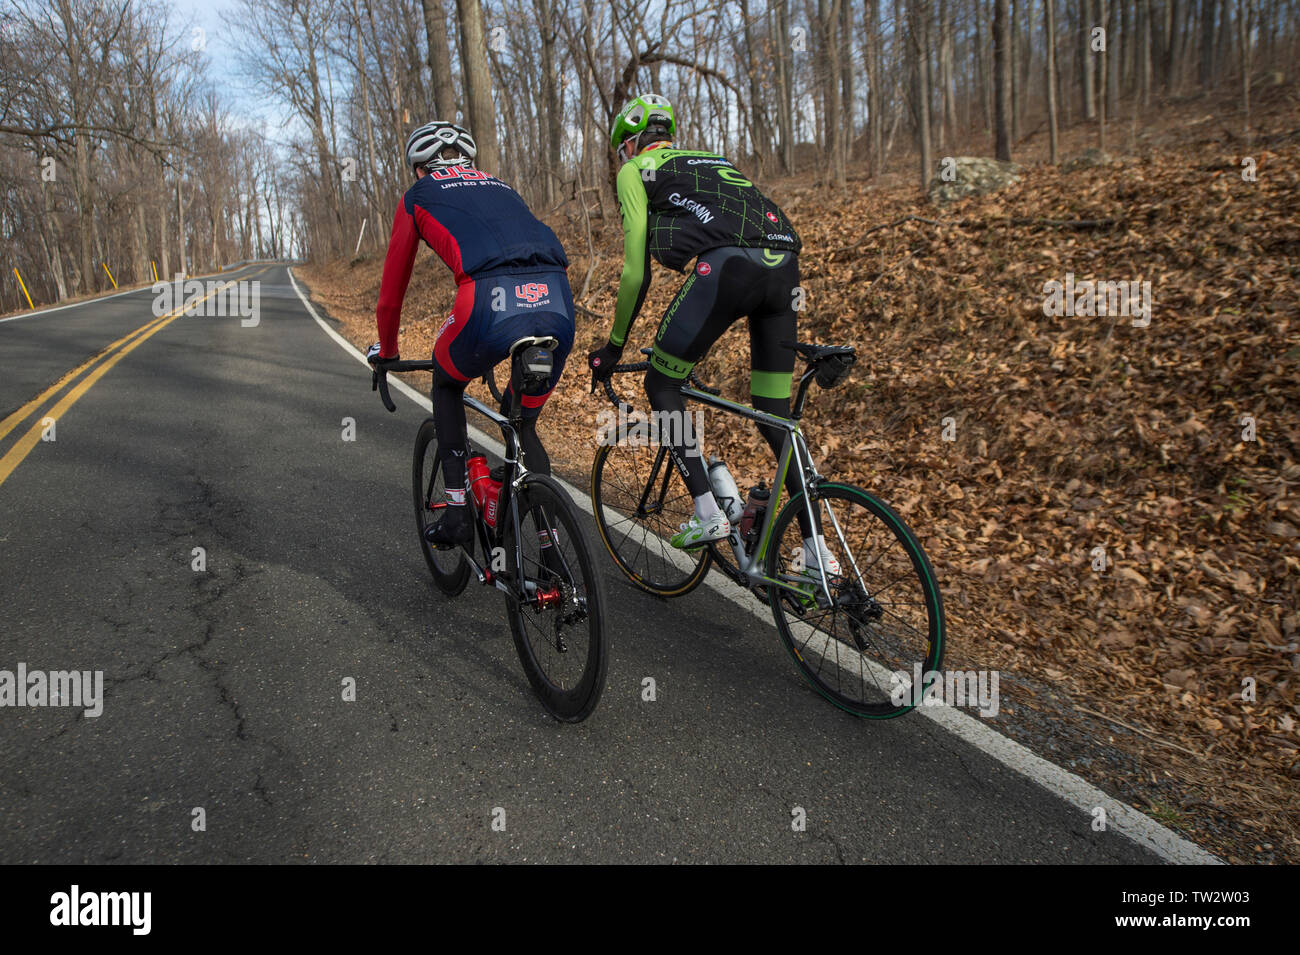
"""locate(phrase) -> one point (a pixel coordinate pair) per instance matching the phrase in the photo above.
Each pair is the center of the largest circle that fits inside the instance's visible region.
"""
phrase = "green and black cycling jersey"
(678, 204)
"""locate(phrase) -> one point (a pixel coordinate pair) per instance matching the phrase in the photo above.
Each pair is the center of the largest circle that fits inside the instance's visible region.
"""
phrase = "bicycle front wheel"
(858, 632)
(640, 500)
(556, 607)
(449, 568)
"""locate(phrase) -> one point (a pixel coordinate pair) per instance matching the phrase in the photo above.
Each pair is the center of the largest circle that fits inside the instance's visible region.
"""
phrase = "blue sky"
(219, 19)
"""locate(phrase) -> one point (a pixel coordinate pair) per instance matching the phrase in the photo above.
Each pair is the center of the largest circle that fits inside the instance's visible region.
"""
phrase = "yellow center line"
(28, 441)
(21, 414)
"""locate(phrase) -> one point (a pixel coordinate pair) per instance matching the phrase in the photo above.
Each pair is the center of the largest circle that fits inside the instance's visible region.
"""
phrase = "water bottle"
(495, 479)
(486, 491)
(725, 490)
(751, 521)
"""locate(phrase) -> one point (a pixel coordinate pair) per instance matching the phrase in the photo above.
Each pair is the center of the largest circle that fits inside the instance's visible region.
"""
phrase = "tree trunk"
(51, 239)
(1050, 35)
(1245, 24)
(1013, 34)
(919, 49)
(183, 268)
(948, 122)
(784, 87)
(551, 128)
(163, 244)
(828, 13)
(846, 77)
(435, 30)
(875, 82)
(1101, 77)
(1144, 52)
(1002, 80)
(372, 170)
(1207, 44)
(985, 80)
(478, 82)
(1087, 66)
(757, 134)
(1173, 18)
(1115, 43)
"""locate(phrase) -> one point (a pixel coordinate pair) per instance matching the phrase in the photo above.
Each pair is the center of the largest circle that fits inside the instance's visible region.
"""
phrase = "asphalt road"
(224, 688)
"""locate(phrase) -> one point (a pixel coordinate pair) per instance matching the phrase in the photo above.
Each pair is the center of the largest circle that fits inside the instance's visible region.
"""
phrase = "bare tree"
(1002, 79)
(1049, 27)
(435, 27)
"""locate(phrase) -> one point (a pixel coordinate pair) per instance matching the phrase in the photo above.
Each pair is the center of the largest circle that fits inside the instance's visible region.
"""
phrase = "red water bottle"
(494, 481)
(486, 491)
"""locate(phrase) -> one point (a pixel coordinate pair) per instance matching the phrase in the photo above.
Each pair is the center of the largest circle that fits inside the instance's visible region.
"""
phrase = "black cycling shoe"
(453, 530)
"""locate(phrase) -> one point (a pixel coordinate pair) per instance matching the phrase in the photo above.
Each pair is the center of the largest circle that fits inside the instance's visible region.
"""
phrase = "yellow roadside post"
(23, 285)
(154, 266)
(110, 274)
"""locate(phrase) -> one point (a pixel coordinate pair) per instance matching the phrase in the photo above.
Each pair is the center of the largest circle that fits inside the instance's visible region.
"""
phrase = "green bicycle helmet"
(640, 112)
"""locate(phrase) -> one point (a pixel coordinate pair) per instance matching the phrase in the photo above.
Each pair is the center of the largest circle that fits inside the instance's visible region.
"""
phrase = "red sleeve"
(402, 246)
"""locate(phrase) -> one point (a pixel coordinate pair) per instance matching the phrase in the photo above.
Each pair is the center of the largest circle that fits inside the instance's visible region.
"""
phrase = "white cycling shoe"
(819, 557)
(696, 533)
(820, 566)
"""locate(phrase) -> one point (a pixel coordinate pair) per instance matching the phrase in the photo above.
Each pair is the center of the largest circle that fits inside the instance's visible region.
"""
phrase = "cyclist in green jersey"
(680, 205)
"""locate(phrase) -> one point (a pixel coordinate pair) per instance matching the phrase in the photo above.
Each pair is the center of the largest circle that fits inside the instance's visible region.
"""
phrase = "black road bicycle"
(858, 629)
(528, 544)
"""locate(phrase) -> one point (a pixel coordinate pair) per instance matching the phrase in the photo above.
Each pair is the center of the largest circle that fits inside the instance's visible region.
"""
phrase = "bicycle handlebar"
(379, 377)
(618, 402)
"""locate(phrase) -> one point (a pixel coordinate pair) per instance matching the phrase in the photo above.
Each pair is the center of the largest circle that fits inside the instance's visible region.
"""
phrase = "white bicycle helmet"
(425, 145)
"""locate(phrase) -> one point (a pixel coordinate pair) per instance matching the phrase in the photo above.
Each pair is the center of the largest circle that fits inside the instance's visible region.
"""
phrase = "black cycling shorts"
(726, 284)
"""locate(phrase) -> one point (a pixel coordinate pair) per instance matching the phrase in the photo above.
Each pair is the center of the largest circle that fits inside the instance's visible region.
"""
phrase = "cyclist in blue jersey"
(511, 282)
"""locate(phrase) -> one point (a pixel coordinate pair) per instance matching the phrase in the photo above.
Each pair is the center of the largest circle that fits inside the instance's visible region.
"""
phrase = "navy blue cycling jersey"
(476, 224)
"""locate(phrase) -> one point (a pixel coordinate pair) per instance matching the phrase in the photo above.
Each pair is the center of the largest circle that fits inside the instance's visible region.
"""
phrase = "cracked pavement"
(223, 688)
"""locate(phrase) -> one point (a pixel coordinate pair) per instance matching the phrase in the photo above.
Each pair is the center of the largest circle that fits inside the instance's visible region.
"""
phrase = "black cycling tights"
(449, 418)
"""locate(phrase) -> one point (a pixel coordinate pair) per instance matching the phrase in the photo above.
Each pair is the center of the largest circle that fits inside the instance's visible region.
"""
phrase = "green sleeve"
(636, 259)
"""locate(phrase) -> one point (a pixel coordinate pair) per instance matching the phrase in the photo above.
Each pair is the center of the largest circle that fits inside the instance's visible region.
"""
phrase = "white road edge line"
(104, 298)
(1137, 826)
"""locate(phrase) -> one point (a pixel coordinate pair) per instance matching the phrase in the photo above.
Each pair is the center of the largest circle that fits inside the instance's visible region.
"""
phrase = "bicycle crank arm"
(486, 576)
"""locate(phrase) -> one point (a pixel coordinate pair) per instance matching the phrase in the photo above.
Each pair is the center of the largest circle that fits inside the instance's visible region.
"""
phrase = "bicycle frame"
(794, 451)
(512, 480)
(515, 472)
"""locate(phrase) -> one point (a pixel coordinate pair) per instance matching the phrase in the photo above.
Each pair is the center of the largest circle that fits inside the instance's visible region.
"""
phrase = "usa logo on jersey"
(532, 292)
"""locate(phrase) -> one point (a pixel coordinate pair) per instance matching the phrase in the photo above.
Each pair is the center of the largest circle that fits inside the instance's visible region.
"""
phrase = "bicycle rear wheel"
(557, 610)
(449, 568)
(860, 645)
(639, 500)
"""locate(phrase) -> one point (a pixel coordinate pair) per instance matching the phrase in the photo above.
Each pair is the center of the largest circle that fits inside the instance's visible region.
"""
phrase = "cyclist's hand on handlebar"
(376, 362)
(602, 362)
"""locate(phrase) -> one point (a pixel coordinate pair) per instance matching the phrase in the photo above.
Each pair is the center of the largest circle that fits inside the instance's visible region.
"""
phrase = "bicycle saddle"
(832, 362)
(817, 352)
(534, 361)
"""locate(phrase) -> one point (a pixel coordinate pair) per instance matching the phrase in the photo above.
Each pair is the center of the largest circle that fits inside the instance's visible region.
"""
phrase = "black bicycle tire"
(452, 582)
(572, 706)
(679, 589)
(920, 563)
